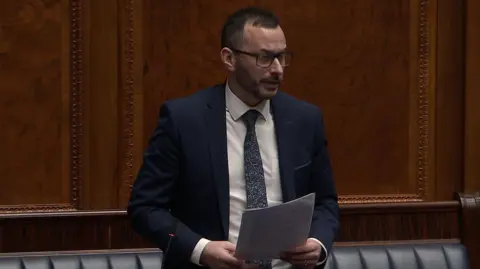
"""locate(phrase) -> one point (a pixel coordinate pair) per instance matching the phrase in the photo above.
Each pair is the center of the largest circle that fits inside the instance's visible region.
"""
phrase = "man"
(242, 144)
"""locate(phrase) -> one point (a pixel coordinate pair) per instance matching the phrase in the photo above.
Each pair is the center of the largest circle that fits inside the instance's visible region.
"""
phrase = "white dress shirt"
(236, 131)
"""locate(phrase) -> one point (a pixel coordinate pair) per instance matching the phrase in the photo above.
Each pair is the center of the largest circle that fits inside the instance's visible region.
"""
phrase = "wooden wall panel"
(377, 89)
(79, 106)
(449, 100)
(472, 97)
(101, 94)
(40, 109)
(112, 88)
(82, 82)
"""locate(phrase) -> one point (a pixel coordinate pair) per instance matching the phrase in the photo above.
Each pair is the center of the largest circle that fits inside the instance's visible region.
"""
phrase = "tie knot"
(250, 117)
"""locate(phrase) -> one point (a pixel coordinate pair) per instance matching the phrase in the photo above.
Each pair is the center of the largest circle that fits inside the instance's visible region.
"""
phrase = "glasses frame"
(258, 55)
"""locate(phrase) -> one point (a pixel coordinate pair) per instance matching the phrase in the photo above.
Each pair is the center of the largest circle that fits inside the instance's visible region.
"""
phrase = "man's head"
(254, 53)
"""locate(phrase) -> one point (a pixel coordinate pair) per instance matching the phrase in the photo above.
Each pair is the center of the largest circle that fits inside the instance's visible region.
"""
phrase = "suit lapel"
(285, 140)
(216, 126)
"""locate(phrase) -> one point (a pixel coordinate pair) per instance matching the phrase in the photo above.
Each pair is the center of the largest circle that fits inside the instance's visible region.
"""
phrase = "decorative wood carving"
(129, 101)
(423, 106)
(130, 52)
(77, 98)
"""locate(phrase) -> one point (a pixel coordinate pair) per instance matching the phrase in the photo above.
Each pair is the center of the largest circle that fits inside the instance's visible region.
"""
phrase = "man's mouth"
(273, 83)
(270, 85)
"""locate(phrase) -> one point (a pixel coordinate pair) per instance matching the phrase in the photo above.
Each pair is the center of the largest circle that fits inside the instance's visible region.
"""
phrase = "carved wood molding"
(76, 118)
(423, 105)
(423, 149)
(40, 208)
(128, 103)
(367, 199)
(76, 44)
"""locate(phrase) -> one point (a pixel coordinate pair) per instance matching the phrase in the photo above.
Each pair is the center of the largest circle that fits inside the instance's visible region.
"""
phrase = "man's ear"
(228, 59)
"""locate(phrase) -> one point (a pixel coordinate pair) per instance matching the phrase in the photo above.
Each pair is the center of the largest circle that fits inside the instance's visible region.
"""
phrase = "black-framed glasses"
(266, 59)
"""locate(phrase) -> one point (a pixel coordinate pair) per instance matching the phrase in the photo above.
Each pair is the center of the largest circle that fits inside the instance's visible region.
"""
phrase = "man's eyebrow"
(273, 52)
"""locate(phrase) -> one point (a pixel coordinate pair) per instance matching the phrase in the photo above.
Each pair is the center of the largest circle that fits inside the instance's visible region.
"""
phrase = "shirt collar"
(237, 107)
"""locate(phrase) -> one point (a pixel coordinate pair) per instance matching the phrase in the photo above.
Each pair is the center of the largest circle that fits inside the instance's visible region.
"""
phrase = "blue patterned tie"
(254, 177)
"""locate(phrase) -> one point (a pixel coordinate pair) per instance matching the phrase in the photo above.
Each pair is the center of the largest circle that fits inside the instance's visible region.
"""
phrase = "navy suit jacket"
(183, 184)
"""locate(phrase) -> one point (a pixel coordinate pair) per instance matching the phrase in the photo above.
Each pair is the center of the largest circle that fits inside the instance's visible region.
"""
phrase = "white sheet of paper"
(266, 232)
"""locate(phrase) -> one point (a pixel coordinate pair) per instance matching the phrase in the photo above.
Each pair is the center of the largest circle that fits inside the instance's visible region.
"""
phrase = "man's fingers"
(229, 246)
(299, 250)
(308, 247)
(231, 261)
(303, 257)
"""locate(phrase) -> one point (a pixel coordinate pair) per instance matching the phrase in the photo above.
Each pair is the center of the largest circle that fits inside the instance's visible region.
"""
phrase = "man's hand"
(305, 256)
(219, 255)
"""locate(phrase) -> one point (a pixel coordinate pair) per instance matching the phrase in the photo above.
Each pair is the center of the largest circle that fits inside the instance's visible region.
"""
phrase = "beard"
(261, 89)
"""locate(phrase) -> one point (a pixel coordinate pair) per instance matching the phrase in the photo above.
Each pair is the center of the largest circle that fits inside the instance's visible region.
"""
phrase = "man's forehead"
(268, 39)
(258, 31)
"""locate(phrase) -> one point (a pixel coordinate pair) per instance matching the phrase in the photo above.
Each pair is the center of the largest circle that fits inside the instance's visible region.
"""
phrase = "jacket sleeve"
(325, 221)
(154, 189)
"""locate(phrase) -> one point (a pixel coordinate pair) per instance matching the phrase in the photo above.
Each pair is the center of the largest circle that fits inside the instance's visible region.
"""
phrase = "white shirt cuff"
(197, 251)
(323, 249)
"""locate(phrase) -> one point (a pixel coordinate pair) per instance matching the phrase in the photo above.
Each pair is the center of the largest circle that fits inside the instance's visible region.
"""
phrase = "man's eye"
(264, 57)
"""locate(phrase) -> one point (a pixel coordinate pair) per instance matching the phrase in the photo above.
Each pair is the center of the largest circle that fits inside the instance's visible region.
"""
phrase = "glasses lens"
(266, 60)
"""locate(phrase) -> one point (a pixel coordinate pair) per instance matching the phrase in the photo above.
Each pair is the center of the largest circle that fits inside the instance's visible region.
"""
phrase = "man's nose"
(276, 67)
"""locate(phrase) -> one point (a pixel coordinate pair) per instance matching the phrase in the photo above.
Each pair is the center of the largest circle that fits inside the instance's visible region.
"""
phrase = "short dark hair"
(232, 32)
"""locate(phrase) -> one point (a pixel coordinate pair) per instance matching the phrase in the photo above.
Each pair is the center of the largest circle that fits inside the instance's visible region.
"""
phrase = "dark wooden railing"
(455, 221)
